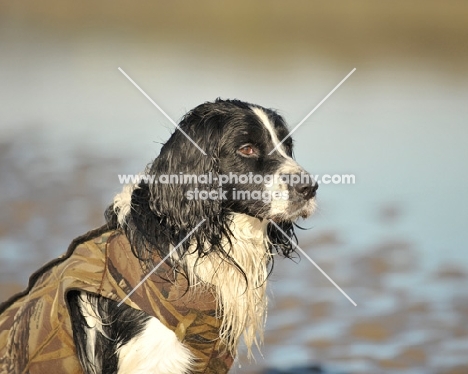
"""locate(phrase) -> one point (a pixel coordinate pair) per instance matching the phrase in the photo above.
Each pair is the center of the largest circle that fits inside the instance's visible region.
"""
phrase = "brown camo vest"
(35, 327)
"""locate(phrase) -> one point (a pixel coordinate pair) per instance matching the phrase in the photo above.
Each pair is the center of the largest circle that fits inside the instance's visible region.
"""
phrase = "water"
(71, 122)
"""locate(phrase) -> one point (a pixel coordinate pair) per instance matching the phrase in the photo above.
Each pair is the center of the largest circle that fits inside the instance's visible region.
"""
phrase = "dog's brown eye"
(247, 150)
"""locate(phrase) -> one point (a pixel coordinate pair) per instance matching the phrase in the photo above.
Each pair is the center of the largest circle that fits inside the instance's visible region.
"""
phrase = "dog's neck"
(240, 291)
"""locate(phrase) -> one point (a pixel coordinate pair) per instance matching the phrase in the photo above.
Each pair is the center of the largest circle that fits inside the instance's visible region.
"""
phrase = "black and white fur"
(232, 250)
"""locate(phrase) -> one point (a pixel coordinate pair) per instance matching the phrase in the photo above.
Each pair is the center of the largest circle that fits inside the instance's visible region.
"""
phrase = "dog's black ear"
(167, 209)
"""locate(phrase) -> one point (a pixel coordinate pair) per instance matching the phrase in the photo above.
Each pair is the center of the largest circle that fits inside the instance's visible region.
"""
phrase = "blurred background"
(395, 241)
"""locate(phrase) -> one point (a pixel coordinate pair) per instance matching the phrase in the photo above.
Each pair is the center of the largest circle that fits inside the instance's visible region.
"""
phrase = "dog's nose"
(307, 190)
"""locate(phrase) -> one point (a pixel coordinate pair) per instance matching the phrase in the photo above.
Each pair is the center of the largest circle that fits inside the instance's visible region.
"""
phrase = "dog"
(219, 234)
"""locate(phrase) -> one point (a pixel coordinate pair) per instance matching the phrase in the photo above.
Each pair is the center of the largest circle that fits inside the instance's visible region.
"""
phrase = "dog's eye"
(288, 146)
(247, 150)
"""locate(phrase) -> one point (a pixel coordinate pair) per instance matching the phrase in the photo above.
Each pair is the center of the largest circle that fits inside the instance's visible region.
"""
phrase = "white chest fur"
(156, 350)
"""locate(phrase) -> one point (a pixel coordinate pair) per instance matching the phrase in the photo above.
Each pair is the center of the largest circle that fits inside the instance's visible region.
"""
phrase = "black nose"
(307, 190)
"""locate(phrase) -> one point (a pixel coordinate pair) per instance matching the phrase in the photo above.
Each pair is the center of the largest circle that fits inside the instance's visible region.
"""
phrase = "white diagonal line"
(313, 263)
(162, 111)
(162, 261)
(312, 111)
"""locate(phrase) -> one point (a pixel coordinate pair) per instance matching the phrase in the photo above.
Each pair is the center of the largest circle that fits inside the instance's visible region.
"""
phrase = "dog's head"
(245, 170)
(235, 205)
(259, 174)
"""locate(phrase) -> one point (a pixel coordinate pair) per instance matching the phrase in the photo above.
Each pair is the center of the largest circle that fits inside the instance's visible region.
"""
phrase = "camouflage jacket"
(35, 328)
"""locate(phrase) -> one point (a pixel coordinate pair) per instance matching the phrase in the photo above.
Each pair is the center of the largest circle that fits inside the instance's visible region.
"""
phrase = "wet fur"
(233, 249)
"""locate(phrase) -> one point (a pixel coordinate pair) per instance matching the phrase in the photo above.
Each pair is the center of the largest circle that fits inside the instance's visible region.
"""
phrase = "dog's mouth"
(294, 211)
